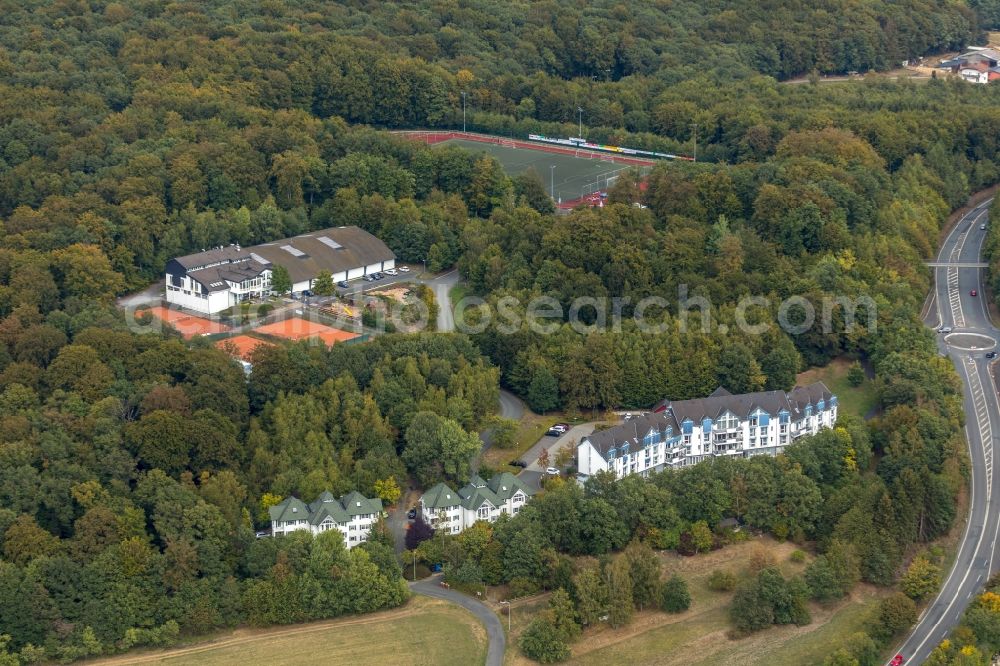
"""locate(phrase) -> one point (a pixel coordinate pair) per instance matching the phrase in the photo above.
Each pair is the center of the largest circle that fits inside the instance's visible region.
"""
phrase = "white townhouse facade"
(444, 509)
(217, 279)
(353, 515)
(685, 432)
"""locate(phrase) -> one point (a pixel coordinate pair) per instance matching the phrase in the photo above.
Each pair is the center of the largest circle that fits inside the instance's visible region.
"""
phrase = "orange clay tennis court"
(242, 345)
(188, 325)
(301, 329)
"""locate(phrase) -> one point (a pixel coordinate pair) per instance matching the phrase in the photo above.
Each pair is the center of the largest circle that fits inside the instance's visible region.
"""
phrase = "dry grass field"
(424, 632)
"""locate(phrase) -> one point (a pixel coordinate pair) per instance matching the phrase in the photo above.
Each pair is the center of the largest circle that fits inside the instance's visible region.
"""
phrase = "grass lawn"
(458, 292)
(425, 631)
(857, 401)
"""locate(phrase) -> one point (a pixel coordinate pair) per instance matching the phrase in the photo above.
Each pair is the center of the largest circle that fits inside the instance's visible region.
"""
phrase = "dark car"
(518, 463)
(554, 433)
(377, 276)
(411, 514)
(991, 354)
(343, 284)
(307, 292)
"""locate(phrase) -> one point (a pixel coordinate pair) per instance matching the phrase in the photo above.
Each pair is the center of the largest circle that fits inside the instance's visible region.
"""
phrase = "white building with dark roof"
(217, 279)
(445, 509)
(685, 432)
(353, 515)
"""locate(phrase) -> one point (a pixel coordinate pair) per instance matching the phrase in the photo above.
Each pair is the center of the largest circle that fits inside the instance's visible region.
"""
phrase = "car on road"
(897, 660)
(552, 471)
(982, 227)
(944, 329)
(972, 293)
(344, 284)
(404, 269)
(517, 463)
(411, 514)
(991, 354)
(391, 271)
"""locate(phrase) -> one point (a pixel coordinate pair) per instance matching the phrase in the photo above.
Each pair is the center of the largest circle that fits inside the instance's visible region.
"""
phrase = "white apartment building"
(444, 509)
(685, 432)
(353, 515)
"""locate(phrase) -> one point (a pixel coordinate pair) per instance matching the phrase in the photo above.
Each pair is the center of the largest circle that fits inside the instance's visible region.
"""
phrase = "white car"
(391, 271)
(404, 269)
(944, 329)
(552, 471)
(982, 227)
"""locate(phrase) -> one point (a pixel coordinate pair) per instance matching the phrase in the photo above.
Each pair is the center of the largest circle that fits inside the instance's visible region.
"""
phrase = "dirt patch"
(397, 294)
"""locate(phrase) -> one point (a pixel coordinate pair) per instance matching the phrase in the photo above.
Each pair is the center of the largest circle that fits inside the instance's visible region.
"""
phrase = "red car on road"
(897, 660)
(972, 293)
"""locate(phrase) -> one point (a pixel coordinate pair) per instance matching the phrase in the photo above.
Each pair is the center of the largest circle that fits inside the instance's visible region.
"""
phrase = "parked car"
(343, 284)
(411, 514)
(991, 354)
(517, 463)
(972, 293)
(391, 271)
(404, 269)
(368, 278)
(552, 432)
(263, 534)
(307, 292)
(377, 276)
(564, 426)
(552, 471)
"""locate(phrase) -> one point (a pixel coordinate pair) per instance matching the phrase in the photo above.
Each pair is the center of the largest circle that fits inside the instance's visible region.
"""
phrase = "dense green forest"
(134, 468)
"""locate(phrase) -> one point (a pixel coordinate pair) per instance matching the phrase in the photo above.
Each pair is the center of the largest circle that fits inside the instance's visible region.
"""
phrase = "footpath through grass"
(700, 636)
(424, 632)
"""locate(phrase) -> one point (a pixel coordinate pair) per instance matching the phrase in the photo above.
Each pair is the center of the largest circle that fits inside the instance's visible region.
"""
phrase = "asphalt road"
(431, 587)
(952, 305)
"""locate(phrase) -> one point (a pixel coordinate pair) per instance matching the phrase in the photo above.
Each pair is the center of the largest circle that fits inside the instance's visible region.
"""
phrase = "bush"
(541, 642)
(675, 598)
(722, 581)
(922, 578)
(797, 556)
(893, 615)
(855, 374)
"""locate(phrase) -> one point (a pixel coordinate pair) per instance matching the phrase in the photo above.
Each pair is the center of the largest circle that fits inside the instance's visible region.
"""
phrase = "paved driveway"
(431, 587)
(553, 444)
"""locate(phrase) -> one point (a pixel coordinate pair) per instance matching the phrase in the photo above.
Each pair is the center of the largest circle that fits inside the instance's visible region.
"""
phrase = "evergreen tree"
(543, 392)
